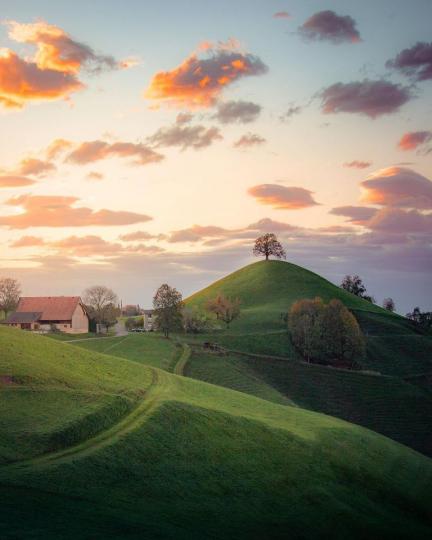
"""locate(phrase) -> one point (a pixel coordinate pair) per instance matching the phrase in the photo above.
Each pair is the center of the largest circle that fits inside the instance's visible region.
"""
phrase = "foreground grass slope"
(196, 461)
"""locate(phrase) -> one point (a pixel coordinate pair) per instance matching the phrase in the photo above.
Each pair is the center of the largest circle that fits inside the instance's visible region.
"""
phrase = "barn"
(42, 313)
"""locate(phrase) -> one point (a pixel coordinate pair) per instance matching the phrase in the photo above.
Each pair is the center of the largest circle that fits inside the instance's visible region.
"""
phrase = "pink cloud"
(356, 164)
(281, 197)
(91, 151)
(8, 181)
(413, 139)
(416, 62)
(248, 140)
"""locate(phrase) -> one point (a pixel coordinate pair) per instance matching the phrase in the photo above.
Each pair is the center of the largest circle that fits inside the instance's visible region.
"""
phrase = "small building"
(148, 319)
(43, 313)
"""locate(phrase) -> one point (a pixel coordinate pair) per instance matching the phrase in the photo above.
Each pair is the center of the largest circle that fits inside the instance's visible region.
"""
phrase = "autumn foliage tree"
(225, 309)
(10, 292)
(268, 245)
(168, 306)
(325, 332)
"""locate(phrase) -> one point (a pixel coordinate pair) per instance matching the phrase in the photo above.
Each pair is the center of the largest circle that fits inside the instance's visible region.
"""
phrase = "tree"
(388, 304)
(326, 333)
(355, 285)
(225, 309)
(195, 321)
(10, 292)
(268, 245)
(168, 306)
(101, 304)
(421, 318)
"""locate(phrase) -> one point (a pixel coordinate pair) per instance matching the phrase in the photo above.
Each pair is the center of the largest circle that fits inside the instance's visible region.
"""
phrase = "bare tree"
(168, 307)
(102, 304)
(10, 291)
(388, 304)
(268, 245)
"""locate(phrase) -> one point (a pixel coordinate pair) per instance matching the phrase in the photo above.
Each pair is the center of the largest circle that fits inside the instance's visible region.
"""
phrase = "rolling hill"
(178, 458)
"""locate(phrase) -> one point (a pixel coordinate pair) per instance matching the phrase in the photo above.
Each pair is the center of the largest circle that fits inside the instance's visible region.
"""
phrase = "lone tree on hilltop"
(388, 304)
(168, 307)
(101, 303)
(10, 292)
(268, 245)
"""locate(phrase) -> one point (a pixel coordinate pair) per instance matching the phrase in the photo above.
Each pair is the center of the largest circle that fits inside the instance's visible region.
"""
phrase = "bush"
(196, 321)
(326, 332)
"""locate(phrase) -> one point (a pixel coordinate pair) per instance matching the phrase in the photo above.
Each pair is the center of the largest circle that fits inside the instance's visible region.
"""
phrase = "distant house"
(148, 319)
(42, 313)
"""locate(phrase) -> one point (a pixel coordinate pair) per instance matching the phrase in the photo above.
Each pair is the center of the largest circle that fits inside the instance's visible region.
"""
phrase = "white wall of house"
(80, 322)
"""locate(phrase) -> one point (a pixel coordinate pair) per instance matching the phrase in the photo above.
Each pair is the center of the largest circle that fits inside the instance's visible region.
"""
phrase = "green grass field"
(190, 460)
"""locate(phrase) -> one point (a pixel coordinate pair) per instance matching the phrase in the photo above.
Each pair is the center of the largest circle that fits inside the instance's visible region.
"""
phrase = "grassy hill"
(268, 288)
(178, 458)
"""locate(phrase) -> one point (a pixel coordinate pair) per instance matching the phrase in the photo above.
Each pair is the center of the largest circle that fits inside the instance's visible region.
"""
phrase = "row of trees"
(171, 313)
(326, 333)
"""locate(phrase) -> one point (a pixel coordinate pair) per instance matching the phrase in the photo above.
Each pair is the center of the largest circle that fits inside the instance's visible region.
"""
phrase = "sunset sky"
(148, 142)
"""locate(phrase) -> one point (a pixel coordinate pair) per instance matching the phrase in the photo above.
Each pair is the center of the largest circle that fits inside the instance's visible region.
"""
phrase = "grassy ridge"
(204, 462)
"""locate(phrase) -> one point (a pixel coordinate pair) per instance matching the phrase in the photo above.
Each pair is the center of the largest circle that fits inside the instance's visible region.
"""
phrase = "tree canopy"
(168, 306)
(354, 284)
(225, 309)
(101, 303)
(325, 332)
(10, 291)
(268, 245)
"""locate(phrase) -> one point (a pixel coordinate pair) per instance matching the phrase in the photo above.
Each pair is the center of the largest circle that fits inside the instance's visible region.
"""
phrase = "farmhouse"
(148, 319)
(65, 313)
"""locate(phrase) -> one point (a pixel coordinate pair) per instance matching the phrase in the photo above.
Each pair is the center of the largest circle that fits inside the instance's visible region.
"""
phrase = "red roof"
(52, 308)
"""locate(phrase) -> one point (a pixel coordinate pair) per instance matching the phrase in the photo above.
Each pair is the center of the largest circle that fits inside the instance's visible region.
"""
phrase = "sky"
(149, 142)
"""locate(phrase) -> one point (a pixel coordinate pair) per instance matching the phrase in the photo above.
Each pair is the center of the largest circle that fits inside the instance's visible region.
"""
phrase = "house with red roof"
(43, 313)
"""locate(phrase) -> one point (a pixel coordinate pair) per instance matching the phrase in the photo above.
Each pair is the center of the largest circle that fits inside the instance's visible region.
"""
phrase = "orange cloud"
(57, 147)
(199, 80)
(35, 167)
(28, 241)
(414, 139)
(58, 211)
(398, 186)
(56, 50)
(22, 81)
(90, 151)
(94, 175)
(281, 197)
(9, 181)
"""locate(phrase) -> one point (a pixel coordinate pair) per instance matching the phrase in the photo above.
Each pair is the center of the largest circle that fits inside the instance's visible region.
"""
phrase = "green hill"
(267, 289)
(177, 458)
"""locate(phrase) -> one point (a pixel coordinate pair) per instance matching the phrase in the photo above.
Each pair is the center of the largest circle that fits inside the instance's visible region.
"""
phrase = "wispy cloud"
(91, 151)
(248, 140)
(240, 112)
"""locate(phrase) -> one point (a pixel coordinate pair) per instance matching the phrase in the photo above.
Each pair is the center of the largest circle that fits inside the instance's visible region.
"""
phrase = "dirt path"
(108, 437)
(183, 360)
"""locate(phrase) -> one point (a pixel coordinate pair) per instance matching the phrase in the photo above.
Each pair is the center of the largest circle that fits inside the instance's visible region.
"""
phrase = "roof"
(23, 317)
(147, 311)
(52, 308)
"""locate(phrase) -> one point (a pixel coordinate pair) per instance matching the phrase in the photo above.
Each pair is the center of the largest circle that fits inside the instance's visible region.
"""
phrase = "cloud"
(282, 15)
(139, 235)
(281, 197)
(396, 220)
(184, 118)
(90, 151)
(358, 215)
(22, 81)
(357, 164)
(248, 140)
(328, 26)
(240, 112)
(36, 167)
(28, 241)
(57, 147)
(197, 233)
(94, 175)
(58, 211)
(290, 112)
(398, 186)
(201, 78)
(267, 225)
(57, 51)
(414, 139)
(415, 62)
(185, 136)
(370, 98)
(8, 181)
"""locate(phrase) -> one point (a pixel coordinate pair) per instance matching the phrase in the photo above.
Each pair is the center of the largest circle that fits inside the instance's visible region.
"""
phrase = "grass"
(389, 405)
(150, 349)
(199, 461)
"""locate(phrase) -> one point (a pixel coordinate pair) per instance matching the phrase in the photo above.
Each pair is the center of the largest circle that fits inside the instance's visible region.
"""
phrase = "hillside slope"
(191, 460)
